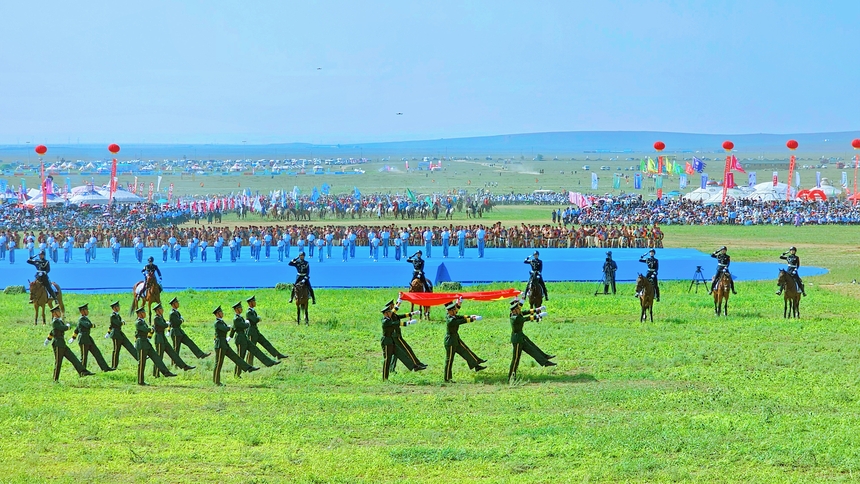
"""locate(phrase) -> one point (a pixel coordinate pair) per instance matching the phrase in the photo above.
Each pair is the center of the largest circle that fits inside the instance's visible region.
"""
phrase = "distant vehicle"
(619, 168)
(605, 168)
(544, 192)
(586, 167)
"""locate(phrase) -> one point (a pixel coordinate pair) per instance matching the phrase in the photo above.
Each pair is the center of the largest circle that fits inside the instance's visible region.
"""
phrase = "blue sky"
(328, 72)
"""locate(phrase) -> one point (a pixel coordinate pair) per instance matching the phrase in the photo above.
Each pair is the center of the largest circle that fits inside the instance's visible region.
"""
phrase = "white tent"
(121, 196)
(82, 189)
(52, 200)
(703, 194)
(90, 198)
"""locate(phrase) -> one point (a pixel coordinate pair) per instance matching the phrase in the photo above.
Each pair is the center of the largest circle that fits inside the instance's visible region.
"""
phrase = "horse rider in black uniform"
(150, 270)
(609, 268)
(418, 270)
(793, 262)
(723, 261)
(653, 266)
(536, 276)
(303, 271)
(43, 267)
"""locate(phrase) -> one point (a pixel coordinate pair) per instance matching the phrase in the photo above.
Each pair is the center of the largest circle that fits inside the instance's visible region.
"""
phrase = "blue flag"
(357, 193)
(698, 165)
(637, 181)
(325, 188)
(704, 180)
(315, 195)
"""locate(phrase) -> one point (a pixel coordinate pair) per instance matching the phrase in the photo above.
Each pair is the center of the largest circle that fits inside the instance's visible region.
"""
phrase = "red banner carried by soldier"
(440, 298)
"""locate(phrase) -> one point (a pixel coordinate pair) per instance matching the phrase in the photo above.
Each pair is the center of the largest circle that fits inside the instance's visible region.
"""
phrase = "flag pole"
(791, 145)
(727, 145)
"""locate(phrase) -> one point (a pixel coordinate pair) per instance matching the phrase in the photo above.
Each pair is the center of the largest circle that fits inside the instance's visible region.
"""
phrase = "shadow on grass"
(540, 378)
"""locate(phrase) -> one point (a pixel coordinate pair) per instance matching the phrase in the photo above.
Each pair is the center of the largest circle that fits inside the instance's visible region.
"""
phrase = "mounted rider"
(43, 267)
(149, 271)
(723, 261)
(653, 267)
(303, 271)
(535, 275)
(790, 257)
(418, 270)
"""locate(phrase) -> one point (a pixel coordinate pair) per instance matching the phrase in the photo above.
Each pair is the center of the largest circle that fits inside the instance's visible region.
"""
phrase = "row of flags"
(669, 167)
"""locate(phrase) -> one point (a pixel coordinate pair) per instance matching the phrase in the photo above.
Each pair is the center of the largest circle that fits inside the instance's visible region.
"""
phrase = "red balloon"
(856, 144)
(659, 146)
(41, 149)
(792, 144)
(728, 145)
(113, 148)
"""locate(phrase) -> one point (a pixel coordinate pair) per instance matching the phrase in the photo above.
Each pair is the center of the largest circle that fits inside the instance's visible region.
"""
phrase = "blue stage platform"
(498, 265)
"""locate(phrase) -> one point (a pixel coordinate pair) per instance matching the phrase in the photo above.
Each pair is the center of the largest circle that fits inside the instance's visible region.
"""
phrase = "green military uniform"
(120, 340)
(521, 342)
(58, 338)
(163, 346)
(255, 336)
(178, 334)
(222, 348)
(243, 345)
(454, 345)
(145, 349)
(88, 345)
(402, 350)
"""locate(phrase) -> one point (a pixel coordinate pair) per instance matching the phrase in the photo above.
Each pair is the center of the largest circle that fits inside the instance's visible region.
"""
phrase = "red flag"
(44, 186)
(730, 180)
(689, 168)
(112, 179)
(736, 165)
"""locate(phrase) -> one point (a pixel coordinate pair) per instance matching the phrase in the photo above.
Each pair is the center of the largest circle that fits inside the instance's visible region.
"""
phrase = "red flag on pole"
(736, 165)
(44, 185)
(791, 163)
(151, 188)
(112, 180)
(726, 172)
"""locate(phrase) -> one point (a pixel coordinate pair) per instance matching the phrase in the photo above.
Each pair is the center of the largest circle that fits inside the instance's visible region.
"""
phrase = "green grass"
(689, 397)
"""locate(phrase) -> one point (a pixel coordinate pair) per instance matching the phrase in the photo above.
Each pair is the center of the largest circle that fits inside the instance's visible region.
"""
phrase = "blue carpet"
(498, 265)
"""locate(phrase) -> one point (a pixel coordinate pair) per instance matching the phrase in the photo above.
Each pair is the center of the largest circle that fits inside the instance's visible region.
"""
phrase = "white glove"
(71, 340)
(477, 318)
(542, 308)
(68, 326)
(228, 339)
(46, 342)
(411, 321)
(167, 333)
(542, 315)
(107, 335)
(414, 313)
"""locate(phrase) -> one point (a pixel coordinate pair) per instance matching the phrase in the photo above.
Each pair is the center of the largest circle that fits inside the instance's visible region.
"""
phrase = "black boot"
(292, 294)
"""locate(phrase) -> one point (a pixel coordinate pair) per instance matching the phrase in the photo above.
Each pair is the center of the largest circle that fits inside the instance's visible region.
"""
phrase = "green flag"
(658, 181)
(642, 166)
(410, 195)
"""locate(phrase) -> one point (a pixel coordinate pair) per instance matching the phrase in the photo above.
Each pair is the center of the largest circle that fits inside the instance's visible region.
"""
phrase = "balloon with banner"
(594, 181)
(844, 180)
(751, 179)
(682, 181)
(775, 178)
(797, 179)
(704, 181)
(158, 187)
(637, 181)
(134, 187)
(818, 179)
(169, 193)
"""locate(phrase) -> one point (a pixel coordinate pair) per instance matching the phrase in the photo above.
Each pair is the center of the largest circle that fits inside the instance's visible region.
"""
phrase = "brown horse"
(301, 299)
(721, 293)
(645, 290)
(790, 295)
(417, 286)
(152, 295)
(41, 299)
(535, 297)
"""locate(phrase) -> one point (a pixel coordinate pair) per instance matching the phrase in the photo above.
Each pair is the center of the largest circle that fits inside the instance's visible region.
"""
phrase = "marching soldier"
(536, 273)
(609, 269)
(85, 340)
(793, 262)
(521, 342)
(239, 329)
(254, 334)
(389, 322)
(402, 350)
(120, 340)
(454, 345)
(145, 349)
(653, 266)
(303, 270)
(723, 261)
(418, 270)
(159, 325)
(222, 348)
(178, 334)
(57, 338)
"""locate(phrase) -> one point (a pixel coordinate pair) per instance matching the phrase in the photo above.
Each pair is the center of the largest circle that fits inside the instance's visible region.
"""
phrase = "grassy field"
(690, 397)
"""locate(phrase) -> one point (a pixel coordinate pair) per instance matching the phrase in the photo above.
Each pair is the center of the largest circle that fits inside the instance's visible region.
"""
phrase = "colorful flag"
(651, 167)
(730, 180)
(682, 181)
(698, 165)
(689, 168)
(325, 188)
(751, 179)
(315, 194)
(818, 179)
(844, 180)
(134, 187)
(797, 179)
(357, 193)
(658, 181)
(616, 182)
(704, 181)
(411, 195)
(670, 168)
(637, 181)
(775, 178)
(642, 165)
(659, 193)
(594, 181)
(678, 169)
(736, 165)
(169, 192)
(151, 186)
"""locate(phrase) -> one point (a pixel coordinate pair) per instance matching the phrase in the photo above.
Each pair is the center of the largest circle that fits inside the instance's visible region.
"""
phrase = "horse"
(41, 299)
(646, 297)
(301, 299)
(535, 297)
(721, 293)
(790, 294)
(417, 286)
(153, 295)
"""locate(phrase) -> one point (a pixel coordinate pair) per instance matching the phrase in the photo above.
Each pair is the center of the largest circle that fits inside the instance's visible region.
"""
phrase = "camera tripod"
(698, 278)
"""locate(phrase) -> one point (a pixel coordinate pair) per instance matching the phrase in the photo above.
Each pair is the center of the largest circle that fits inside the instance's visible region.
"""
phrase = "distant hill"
(530, 144)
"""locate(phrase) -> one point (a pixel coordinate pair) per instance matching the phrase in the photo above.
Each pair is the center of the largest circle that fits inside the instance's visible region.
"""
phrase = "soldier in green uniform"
(145, 349)
(178, 334)
(57, 337)
(390, 321)
(159, 325)
(520, 341)
(239, 329)
(120, 340)
(453, 343)
(222, 348)
(402, 350)
(254, 334)
(85, 340)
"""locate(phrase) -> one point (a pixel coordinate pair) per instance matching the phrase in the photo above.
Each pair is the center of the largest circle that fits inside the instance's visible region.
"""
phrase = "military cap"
(609, 253)
(141, 310)
(41, 251)
(792, 248)
(84, 306)
(174, 300)
(536, 253)
(151, 259)
(385, 308)
(115, 303)
(723, 248)
(451, 306)
(252, 298)
(237, 305)
(390, 302)
(55, 309)
(217, 310)
(652, 251)
(157, 307)
(515, 303)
